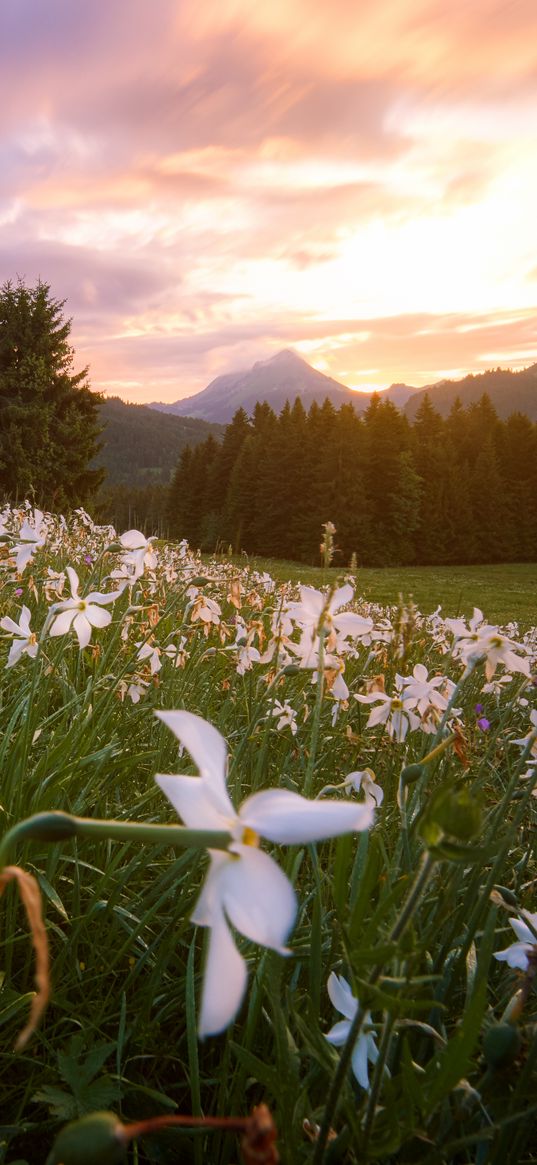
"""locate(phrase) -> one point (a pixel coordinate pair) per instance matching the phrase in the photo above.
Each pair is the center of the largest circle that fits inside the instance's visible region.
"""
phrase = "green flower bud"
(198, 581)
(501, 1045)
(113, 548)
(93, 1140)
(411, 773)
(53, 826)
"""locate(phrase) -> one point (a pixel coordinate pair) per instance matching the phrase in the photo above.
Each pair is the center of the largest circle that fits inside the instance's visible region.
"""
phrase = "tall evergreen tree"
(48, 416)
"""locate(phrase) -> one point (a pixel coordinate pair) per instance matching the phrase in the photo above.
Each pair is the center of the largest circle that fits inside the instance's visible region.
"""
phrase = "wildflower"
(244, 887)
(391, 712)
(420, 693)
(316, 609)
(24, 642)
(482, 723)
(32, 538)
(481, 641)
(364, 782)
(140, 554)
(287, 716)
(518, 955)
(365, 1047)
(82, 614)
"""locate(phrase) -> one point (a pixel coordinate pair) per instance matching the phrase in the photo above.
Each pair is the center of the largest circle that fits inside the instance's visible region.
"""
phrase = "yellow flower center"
(249, 836)
(82, 605)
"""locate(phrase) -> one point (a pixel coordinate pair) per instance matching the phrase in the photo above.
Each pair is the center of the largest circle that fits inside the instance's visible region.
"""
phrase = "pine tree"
(48, 415)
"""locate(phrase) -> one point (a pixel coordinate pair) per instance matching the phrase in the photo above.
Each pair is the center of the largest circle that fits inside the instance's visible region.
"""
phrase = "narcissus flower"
(518, 954)
(365, 1047)
(82, 613)
(24, 641)
(245, 888)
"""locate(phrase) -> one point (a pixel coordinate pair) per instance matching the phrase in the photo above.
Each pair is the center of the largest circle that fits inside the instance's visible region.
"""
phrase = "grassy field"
(505, 592)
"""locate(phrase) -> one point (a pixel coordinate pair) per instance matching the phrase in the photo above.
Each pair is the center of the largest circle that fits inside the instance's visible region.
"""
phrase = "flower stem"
(58, 826)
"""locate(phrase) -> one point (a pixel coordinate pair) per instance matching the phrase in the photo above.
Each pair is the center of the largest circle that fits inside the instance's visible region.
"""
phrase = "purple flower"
(18, 591)
(483, 724)
(479, 709)
(88, 559)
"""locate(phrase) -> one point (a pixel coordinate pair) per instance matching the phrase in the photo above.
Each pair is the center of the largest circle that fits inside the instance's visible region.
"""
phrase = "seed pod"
(501, 1045)
(411, 773)
(95, 1139)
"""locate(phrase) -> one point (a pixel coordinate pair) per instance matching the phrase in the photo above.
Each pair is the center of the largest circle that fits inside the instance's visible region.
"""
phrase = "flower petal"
(63, 621)
(192, 798)
(341, 995)
(133, 540)
(258, 898)
(338, 1033)
(359, 1061)
(207, 748)
(224, 981)
(73, 580)
(97, 617)
(288, 818)
(515, 956)
(82, 628)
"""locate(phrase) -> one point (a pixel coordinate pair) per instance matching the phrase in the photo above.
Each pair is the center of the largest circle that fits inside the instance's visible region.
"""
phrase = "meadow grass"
(506, 591)
(410, 912)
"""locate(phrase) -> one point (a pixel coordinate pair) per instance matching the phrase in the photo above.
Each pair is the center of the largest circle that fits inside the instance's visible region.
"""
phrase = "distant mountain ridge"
(509, 392)
(284, 377)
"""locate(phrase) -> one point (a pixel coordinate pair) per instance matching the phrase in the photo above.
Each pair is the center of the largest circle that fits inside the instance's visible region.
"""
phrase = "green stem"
(57, 826)
(398, 929)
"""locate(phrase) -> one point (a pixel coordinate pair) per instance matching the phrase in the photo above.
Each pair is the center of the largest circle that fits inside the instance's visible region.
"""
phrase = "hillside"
(141, 447)
(509, 392)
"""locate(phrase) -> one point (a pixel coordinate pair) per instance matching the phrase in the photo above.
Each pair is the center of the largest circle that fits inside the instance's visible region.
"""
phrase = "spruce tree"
(48, 416)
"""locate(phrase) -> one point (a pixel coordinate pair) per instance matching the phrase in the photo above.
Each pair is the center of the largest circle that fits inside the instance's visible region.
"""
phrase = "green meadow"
(505, 592)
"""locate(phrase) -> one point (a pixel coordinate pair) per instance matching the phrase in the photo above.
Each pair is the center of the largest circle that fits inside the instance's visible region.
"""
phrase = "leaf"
(61, 1103)
(52, 895)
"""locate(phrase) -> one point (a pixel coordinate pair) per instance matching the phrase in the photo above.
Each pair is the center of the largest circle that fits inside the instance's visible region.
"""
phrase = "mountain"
(509, 392)
(283, 377)
(140, 446)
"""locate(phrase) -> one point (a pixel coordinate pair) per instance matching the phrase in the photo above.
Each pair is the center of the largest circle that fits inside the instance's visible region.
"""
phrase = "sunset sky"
(208, 182)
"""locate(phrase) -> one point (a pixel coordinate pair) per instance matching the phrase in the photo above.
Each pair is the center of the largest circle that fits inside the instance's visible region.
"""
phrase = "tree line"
(457, 490)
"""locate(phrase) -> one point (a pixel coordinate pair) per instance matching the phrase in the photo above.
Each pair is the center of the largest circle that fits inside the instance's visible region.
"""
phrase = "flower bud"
(411, 773)
(501, 1045)
(53, 826)
(95, 1139)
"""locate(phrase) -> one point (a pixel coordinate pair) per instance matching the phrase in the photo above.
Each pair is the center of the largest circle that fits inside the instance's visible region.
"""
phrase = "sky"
(206, 183)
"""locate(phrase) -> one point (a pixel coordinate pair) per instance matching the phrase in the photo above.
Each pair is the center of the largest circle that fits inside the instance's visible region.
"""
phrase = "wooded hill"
(461, 489)
(139, 453)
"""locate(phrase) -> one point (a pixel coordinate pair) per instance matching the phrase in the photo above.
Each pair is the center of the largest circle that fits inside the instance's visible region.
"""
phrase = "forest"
(460, 489)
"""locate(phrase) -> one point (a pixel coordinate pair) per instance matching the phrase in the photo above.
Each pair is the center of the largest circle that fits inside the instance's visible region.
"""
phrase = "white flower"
(419, 692)
(286, 714)
(518, 954)
(365, 1047)
(244, 886)
(140, 553)
(32, 537)
(25, 642)
(364, 781)
(82, 614)
(481, 641)
(392, 713)
(316, 609)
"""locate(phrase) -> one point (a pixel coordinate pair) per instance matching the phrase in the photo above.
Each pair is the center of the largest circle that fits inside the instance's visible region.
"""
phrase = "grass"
(506, 592)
